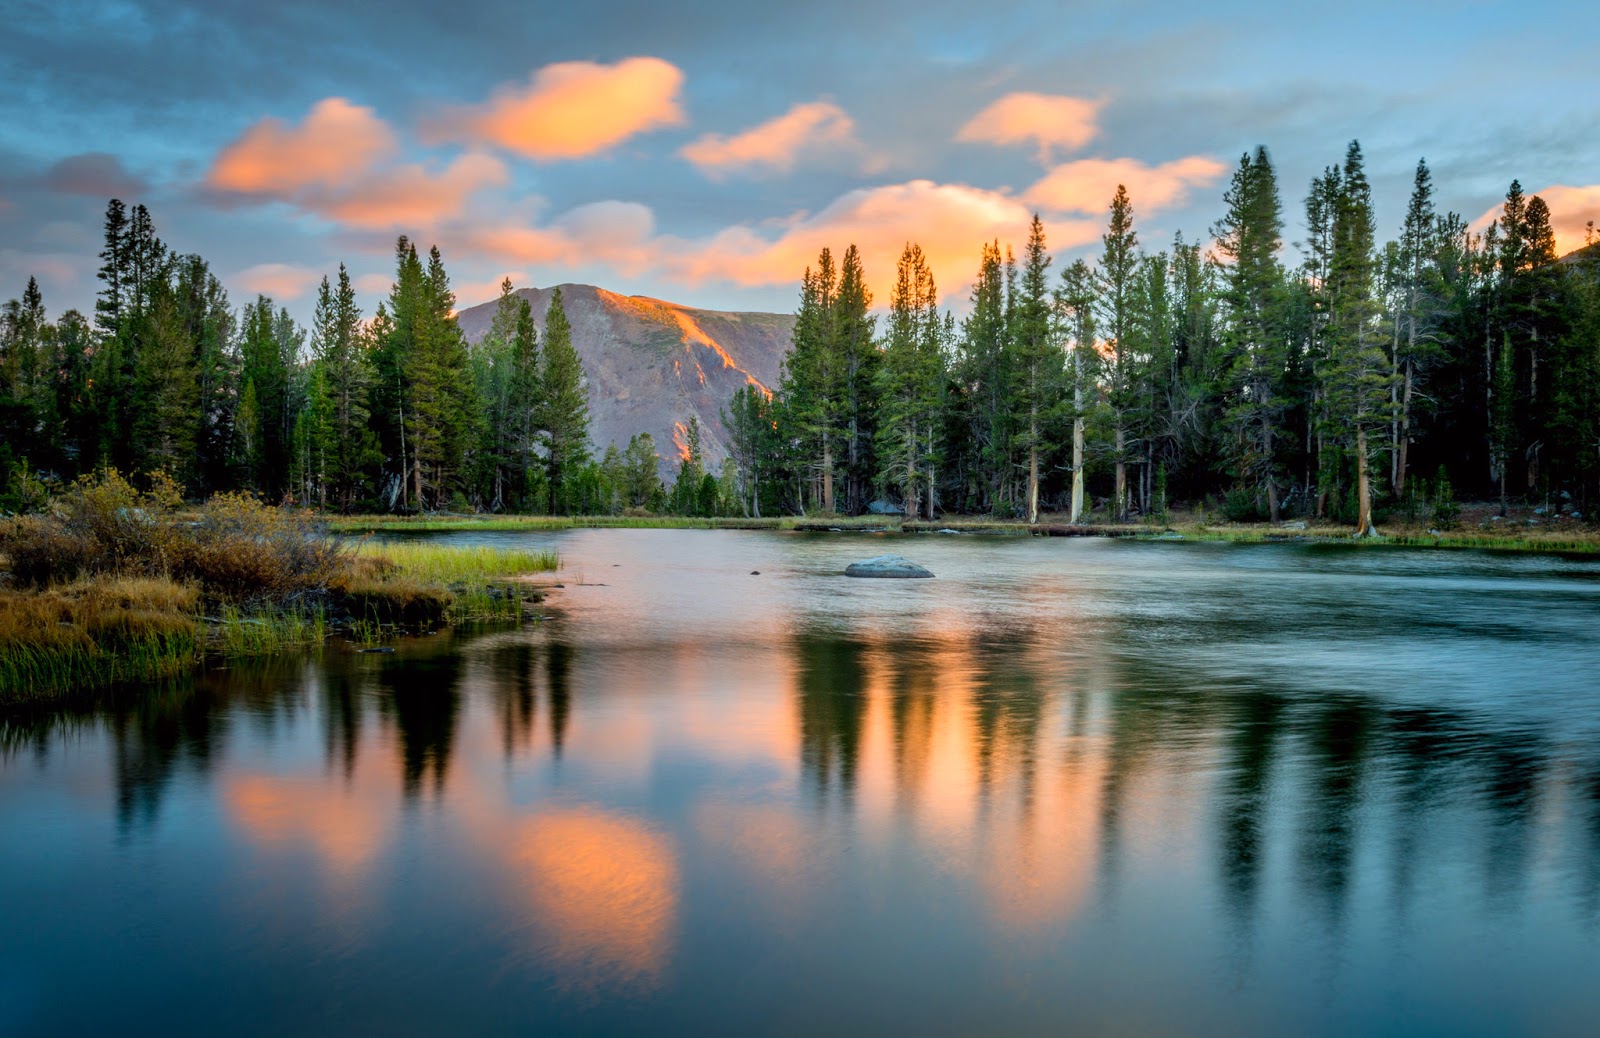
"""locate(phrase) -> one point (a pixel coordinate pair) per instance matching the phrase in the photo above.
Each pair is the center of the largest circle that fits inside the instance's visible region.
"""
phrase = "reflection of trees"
(1250, 741)
(1009, 700)
(341, 715)
(425, 701)
(831, 676)
(153, 737)
(1338, 739)
(558, 679)
(511, 685)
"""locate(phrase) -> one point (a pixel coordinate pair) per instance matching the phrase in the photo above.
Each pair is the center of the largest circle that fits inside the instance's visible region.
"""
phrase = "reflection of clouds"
(345, 828)
(604, 892)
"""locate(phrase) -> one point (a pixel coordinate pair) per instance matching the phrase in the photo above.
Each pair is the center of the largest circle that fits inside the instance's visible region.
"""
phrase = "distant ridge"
(652, 364)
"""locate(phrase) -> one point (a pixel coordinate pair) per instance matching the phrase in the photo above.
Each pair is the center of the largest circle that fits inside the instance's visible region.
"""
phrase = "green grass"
(239, 634)
(442, 563)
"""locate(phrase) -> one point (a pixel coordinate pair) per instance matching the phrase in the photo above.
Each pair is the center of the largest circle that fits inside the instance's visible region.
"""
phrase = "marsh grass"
(113, 586)
(240, 633)
(95, 632)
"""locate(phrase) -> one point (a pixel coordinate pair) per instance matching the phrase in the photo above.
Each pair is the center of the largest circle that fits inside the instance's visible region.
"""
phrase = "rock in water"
(886, 566)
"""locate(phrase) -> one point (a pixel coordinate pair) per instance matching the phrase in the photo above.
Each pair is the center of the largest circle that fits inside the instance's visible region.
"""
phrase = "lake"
(1069, 786)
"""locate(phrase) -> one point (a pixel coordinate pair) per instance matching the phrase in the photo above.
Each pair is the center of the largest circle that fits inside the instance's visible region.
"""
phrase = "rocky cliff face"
(652, 364)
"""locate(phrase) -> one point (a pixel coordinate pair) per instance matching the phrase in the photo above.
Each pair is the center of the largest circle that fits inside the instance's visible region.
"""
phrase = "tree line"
(391, 413)
(1368, 376)
(1365, 376)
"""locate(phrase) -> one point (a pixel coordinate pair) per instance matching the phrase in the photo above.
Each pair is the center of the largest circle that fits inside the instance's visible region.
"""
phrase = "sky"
(703, 152)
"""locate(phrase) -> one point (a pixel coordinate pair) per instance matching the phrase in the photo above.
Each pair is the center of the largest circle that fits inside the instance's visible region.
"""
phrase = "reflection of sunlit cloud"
(345, 828)
(604, 889)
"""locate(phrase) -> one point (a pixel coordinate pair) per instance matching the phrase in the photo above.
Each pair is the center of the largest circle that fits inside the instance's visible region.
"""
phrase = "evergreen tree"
(749, 421)
(911, 386)
(1248, 240)
(564, 407)
(984, 374)
(1075, 300)
(1038, 363)
(342, 352)
(1357, 379)
(641, 471)
(1118, 267)
(813, 377)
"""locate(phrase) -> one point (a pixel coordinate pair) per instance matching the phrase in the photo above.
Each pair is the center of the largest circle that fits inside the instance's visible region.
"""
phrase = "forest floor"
(1480, 525)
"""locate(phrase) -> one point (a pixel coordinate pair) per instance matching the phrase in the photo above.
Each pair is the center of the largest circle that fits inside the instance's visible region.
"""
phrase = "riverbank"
(1481, 526)
(117, 585)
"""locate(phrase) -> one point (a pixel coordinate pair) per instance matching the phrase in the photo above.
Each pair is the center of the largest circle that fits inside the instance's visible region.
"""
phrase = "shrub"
(1446, 512)
(1242, 505)
(237, 550)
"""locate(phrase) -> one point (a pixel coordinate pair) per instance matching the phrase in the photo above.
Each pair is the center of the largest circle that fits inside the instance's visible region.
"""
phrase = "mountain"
(651, 364)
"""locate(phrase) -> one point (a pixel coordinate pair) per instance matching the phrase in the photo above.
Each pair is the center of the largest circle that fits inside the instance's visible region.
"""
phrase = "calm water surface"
(1085, 786)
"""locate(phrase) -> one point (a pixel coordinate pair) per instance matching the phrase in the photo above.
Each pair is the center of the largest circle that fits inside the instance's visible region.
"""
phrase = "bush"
(1243, 506)
(1446, 512)
(237, 550)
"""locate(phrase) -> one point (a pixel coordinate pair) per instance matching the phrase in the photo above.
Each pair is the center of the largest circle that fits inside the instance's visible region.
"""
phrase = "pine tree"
(911, 386)
(1118, 265)
(1358, 379)
(813, 377)
(749, 421)
(859, 358)
(1418, 303)
(265, 375)
(564, 407)
(1038, 363)
(165, 423)
(342, 353)
(1075, 305)
(984, 374)
(641, 471)
(1248, 240)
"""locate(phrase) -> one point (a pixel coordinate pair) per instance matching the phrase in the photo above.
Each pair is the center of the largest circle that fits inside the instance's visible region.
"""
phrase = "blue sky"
(702, 152)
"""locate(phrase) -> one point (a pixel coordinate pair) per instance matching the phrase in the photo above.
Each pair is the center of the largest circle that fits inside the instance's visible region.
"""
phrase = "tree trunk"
(1363, 489)
(1272, 479)
(827, 474)
(1121, 508)
(1033, 465)
(1077, 471)
(1403, 464)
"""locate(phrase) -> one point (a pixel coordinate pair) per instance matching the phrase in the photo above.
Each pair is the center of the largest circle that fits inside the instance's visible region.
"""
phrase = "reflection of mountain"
(652, 364)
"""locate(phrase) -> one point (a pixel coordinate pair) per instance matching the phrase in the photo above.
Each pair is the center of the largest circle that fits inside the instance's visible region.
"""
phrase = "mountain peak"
(652, 364)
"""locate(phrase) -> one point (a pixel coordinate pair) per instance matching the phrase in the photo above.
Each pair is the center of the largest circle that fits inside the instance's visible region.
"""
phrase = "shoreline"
(1557, 537)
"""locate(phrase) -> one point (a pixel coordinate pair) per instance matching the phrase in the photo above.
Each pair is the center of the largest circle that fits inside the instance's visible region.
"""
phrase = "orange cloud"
(775, 144)
(616, 233)
(1086, 186)
(1571, 210)
(1048, 120)
(335, 139)
(278, 280)
(407, 196)
(949, 221)
(571, 110)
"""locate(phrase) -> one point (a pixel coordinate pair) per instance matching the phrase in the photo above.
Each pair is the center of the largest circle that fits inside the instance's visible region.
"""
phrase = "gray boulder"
(886, 566)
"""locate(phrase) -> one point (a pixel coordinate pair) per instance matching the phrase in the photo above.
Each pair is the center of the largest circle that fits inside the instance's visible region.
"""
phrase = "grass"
(95, 632)
(443, 564)
(112, 585)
